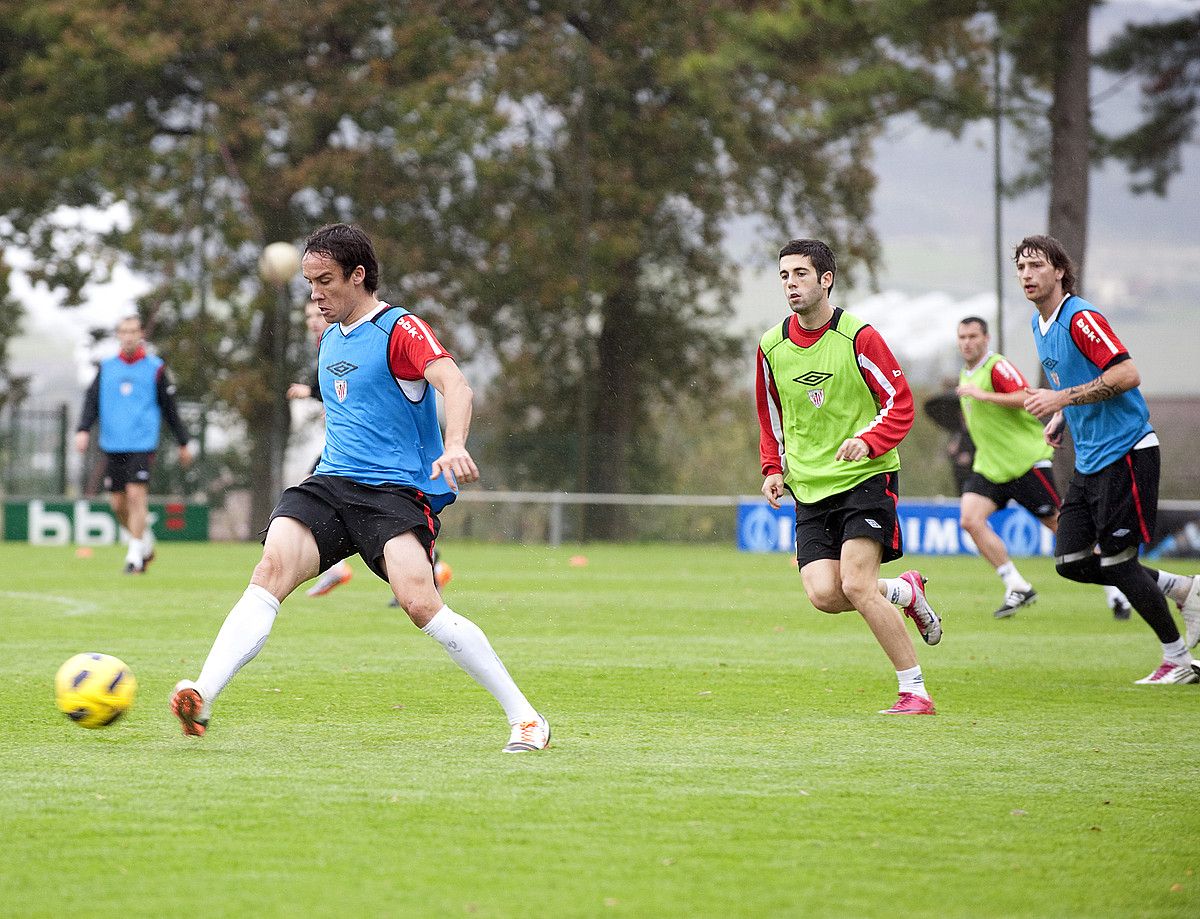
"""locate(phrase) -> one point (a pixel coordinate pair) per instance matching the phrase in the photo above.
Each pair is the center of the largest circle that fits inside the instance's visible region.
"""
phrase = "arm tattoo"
(1095, 391)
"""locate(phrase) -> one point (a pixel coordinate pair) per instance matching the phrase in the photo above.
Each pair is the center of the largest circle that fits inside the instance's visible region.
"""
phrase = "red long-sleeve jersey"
(880, 371)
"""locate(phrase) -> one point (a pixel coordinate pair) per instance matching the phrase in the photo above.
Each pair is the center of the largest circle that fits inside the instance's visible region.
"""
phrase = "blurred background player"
(832, 406)
(1012, 461)
(1112, 501)
(385, 474)
(130, 396)
(341, 572)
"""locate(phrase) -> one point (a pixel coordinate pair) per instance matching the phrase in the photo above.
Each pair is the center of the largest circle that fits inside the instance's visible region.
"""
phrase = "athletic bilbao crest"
(339, 388)
(816, 397)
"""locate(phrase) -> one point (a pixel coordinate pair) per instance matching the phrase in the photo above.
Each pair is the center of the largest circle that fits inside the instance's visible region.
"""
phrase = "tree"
(219, 132)
(1052, 102)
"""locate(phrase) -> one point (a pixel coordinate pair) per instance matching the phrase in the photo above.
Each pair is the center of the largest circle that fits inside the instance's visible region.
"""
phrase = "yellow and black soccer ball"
(94, 690)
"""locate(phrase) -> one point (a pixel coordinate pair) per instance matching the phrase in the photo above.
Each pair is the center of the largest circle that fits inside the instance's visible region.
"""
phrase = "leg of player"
(974, 512)
(335, 575)
(289, 558)
(823, 584)
(137, 507)
(1185, 591)
(411, 578)
(1140, 585)
(860, 583)
(1117, 601)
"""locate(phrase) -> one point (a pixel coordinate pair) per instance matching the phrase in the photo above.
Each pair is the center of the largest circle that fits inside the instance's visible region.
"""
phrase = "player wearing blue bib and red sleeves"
(130, 396)
(1112, 501)
(384, 475)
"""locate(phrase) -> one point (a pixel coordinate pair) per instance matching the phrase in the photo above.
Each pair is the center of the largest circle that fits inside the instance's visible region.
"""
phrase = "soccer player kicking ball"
(1112, 501)
(384, 475)
(832, 406)
(1012, 461)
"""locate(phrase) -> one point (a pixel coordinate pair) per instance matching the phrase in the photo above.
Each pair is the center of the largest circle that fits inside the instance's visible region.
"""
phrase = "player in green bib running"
(1012, 461)
(832, 406)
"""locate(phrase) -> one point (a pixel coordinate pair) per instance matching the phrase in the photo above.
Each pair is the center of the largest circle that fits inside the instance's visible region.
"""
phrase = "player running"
(383, 477)
(1012, 461)
(131, 395)
(832, 406)
(1112, 501)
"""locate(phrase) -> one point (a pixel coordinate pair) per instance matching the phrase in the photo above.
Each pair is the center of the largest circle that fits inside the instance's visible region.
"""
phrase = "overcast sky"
(933, 214)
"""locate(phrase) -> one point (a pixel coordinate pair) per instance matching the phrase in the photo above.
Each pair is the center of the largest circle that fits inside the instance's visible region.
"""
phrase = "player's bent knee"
(828, 601)
(1082, 567)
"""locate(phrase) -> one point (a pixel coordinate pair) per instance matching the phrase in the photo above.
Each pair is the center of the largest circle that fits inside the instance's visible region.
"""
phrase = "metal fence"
(33, 450)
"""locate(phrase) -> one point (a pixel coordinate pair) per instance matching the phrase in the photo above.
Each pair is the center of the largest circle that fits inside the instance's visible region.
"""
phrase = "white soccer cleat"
(1190, 610)
(1169, 673)
(528, 736)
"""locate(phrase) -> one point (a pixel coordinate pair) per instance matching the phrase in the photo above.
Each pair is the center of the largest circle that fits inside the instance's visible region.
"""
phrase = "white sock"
(911, 681)
(147, 541)
(1012, 577)
(1177, 653)
(1112, 595)
(133, 555)
(241, 637)
(470, 649)
(896, 591)
(1175, 586)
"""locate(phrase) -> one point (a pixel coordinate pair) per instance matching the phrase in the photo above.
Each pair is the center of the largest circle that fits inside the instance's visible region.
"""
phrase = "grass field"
(717, 750)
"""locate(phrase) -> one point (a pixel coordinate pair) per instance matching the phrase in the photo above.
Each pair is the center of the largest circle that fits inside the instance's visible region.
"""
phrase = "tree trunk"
(1070, 136)
(1070, 149)
(615, 413)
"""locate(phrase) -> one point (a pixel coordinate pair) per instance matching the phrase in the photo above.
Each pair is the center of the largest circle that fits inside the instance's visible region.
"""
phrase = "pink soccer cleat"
(919, 611)
(909, 703)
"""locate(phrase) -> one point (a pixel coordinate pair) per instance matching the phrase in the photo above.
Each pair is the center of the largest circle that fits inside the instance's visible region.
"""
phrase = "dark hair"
(350, 247)
(818, 253)
(1055, 254)
(982, 323)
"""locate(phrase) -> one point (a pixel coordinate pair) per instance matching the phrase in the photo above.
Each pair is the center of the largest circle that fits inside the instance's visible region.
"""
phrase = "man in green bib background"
(833, 404)
(1012, 461)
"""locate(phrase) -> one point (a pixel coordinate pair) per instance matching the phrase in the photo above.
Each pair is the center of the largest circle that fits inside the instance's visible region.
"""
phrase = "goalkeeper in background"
(1012, 461)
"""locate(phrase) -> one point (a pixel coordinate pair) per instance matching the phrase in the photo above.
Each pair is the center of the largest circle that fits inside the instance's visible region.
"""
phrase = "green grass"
(717, 750)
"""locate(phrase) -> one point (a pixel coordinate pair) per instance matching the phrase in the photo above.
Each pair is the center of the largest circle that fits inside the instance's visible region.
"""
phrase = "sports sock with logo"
(242, 636)
(910, 680)
(896, 591)
(471, 650)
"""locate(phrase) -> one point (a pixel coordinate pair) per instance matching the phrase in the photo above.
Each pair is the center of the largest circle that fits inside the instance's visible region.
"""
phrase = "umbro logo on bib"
(813, 378)
(342, 368)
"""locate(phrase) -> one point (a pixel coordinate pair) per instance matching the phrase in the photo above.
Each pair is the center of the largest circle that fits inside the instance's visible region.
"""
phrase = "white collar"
(980, 362)
(1044, 324)
(367, 317)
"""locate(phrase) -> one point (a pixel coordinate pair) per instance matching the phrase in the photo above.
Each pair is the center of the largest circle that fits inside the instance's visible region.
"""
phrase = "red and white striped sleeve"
(412, 347)
(1095, 338)
(770, 418)
(1007, 378)
(886, 380)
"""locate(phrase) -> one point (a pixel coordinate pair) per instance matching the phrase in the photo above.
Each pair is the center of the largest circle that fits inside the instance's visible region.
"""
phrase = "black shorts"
(121, 469)
(1034, 491)
(1116, 507)
(866, 510)
(345, 517)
